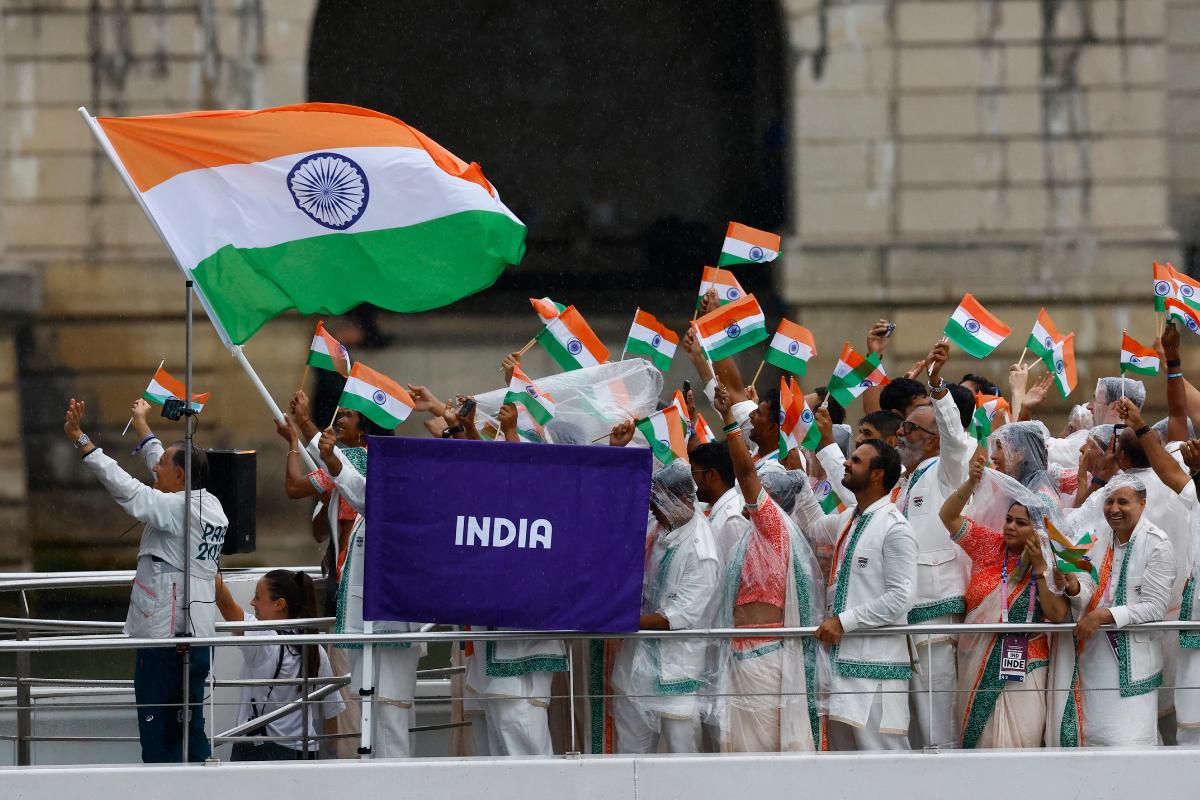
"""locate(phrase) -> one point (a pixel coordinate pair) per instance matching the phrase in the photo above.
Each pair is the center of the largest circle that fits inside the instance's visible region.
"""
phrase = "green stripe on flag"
(731, 260)
(321, 361)
(151, 398)
(540, 413)
(812, 439)
(786, 362)
(1127, 367)
(414, 268)
(640, 348)
(559, 353)
(969, 344)
(662, 450)
(370, 409)
(746, 337)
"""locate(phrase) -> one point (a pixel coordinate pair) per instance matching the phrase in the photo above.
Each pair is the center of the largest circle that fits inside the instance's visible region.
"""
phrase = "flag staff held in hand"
(127, 424)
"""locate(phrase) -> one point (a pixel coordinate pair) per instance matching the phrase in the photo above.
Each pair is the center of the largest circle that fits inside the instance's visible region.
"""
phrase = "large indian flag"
(731, 328)
(974, 329)
(164, 387)
(791, 348)
(378, 397)
(317, 207)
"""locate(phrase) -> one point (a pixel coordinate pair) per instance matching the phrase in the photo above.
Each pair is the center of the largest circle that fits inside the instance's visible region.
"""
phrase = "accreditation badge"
(1014, 654)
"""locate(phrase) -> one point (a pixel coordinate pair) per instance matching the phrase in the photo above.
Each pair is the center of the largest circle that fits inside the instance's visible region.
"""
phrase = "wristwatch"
(82, 441)
(939, 386)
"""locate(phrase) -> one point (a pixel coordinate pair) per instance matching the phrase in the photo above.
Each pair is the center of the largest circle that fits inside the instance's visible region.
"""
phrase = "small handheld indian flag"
(732, 328)
(1136, 357)
(664, 431)
(791, 347)
(983, 422)
(1072, 556)
(570, 341)
(727, 286)
(702, 432)
(974, 329)
(1042, 339)
(853, 375)
(650, 338)
(376, 396)
(546, 308)
(328, 353)
(680, 403)
(163, 387)
(524, 392)
(827, 498)
(1164, 285)
(1178, 295)
(1065, 377)
(746, 245)
(797, 423)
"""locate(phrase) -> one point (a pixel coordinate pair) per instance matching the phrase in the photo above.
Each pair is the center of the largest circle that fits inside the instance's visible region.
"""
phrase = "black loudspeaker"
(231, 477)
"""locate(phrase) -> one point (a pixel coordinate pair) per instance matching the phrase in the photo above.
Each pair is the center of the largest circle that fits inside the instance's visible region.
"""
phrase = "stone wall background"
(1031, 151)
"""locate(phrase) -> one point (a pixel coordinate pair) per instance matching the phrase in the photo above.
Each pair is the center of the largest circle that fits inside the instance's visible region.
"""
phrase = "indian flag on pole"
(328, 353)
(727, 286)
(732, 328)
(791, 347)
(983, 421)
(570, 341)
(375, 395)
(1065, 377)
(524, 392)
(1136, 357)
(797, 424)
(664, 432)
(853, 375)
(546, 308)
(680, 403)
(163, 387)
(827, 498)
(1164, 285)
(650, 338)
(1072, 556)
(703, 433)
(974, 329)
(1043, 338)
(317, 207)
(746, 245)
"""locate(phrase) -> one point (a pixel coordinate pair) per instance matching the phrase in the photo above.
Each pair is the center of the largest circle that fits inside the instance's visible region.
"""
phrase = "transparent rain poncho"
(996, 494)
(1110, 390)
(1025, 456)
(1080, 419)
(669, 677)
(844, 436)
(769, 696)
(588, 402)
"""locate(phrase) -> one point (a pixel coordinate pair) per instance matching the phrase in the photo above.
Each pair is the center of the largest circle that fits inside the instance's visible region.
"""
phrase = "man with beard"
(936, 455)
(871, 584)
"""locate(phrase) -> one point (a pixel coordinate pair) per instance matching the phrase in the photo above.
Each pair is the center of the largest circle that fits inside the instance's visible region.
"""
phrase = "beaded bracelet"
(731, 427)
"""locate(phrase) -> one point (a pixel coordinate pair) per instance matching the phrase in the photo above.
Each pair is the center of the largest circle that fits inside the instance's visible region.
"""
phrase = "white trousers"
(937, 664)
(845, 737)
(1188, 737)
(395, 686)
(510, 726)
(642, 731)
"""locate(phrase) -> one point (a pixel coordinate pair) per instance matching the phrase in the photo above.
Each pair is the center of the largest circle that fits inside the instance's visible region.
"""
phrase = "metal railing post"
(571, 696)
(24, 693)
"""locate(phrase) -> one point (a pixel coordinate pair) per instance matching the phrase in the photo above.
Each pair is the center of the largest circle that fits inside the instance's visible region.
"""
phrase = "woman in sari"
(1009, 578)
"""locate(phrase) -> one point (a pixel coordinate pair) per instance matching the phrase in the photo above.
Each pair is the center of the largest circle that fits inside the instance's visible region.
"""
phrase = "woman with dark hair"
(279, 595)
(1000, 534)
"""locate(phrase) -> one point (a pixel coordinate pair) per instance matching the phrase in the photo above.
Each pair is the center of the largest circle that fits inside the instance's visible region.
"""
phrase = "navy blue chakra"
(330, 188)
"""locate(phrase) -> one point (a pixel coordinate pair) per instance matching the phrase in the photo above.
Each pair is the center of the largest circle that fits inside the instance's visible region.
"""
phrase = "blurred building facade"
(1030, 151)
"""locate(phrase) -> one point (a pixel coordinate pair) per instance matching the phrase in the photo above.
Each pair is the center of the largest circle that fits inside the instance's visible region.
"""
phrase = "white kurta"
(727, 523)
(156, 600)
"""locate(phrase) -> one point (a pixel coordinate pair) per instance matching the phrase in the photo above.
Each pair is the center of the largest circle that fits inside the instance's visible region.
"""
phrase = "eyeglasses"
(908, 426)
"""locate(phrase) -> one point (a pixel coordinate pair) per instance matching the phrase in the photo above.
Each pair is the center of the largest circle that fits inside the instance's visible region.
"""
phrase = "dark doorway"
(624, 133)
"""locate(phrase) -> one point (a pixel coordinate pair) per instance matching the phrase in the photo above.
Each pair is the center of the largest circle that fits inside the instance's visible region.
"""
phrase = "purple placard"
(568, 555)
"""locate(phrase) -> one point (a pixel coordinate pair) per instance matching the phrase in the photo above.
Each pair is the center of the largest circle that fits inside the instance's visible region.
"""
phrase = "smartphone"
(466, 409)
(891, 328)
(687, 387)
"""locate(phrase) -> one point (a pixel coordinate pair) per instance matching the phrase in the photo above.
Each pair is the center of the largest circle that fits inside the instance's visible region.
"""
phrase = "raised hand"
(877, 338)
(424, 400)
(508, 418)
(621, 433)
(286, 431)
(917, 370)
(73, 419)
(299, 407)
(978, 465)
(1036, 395)
(936, 360)
(510, 363)
(1130, 413)
(722, 401)
(710, 302)
(326, 445)
(1170, 342)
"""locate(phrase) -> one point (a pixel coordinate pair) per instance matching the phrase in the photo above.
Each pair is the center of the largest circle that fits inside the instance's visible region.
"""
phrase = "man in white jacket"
(156, 608)
(659, 680)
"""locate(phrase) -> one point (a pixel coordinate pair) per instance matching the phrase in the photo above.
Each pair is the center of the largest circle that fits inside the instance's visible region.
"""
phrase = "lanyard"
(1004, 585)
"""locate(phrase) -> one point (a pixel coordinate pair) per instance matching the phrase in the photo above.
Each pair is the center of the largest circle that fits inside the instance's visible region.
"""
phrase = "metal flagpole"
(187, 515)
